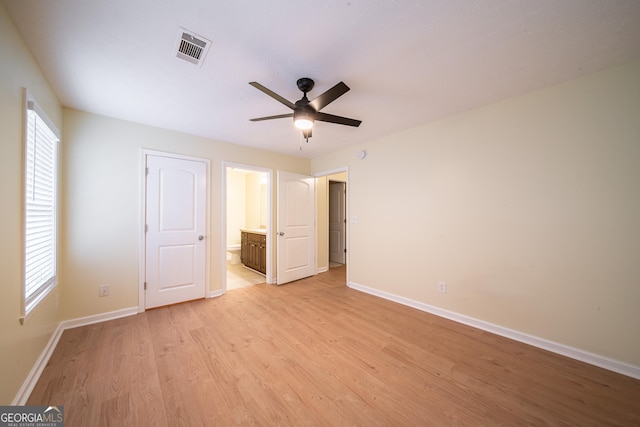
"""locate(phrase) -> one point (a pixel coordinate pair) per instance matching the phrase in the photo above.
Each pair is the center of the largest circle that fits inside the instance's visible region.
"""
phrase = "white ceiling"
(406, 62)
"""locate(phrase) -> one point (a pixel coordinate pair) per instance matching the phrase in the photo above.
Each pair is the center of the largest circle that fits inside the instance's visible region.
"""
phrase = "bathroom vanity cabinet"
(253, 250)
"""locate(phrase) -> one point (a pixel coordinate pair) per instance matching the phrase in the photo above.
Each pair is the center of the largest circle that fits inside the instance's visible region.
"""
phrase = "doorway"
(333, 239)
(337, 223)
(246, 212)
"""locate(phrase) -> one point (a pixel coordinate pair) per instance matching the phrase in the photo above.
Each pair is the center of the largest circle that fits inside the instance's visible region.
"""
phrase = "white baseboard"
(97, 318)
(216, 293)
(574, 353)
(34, 375)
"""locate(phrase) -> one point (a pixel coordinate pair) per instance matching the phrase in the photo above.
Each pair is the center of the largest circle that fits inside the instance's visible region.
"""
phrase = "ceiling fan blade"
(329, 96)
(279, 116)
(272, 94)
(330, 118)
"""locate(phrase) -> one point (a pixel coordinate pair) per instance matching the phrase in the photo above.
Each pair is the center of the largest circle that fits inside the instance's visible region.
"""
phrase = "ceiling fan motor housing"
(305, 84)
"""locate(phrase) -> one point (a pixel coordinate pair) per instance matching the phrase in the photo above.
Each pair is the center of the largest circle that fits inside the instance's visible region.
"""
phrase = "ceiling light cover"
(304, 124)
(302, 120)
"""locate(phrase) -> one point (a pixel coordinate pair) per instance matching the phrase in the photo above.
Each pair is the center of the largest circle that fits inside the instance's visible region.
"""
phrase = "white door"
(337, 222)
(296, 231)
(176, 226)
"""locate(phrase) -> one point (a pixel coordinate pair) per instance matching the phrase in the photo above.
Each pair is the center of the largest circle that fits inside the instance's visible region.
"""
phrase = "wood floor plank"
(314, 352)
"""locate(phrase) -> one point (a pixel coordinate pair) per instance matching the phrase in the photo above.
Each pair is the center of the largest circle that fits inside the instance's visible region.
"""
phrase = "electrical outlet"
(104, 290)
(442, 287)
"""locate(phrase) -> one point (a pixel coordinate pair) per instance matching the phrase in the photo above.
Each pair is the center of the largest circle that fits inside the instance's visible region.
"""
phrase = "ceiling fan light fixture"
(304, 124)
(302, 120)
(306, 112)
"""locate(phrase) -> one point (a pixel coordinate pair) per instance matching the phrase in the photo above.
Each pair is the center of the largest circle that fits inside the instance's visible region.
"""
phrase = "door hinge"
(345, 250)
(146, 171)
(146, 228)
(145, 286)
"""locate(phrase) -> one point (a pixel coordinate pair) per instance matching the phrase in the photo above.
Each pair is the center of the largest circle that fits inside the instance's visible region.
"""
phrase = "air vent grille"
(191, 47)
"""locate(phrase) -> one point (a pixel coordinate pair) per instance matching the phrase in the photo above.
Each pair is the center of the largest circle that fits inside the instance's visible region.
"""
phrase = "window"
(40, 196)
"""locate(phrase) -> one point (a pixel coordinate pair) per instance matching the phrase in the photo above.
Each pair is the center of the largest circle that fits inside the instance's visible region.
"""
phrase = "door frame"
(347, 203)
(142, 248)
(270, 227)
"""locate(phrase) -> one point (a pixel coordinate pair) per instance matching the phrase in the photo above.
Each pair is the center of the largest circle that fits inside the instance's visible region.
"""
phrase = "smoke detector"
(191, 47)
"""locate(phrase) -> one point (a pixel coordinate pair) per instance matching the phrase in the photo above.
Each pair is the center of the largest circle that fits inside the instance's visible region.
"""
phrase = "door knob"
(200, 237)
(281, 233)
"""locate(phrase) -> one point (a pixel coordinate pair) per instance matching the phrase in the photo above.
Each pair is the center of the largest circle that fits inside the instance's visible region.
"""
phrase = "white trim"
(34, 375)
(564, 350)
(32, 104)
(98, 318)
(144, 152)
(322, 269)
(142, 242)
(332, 172)
(29, 304)
(215, 294)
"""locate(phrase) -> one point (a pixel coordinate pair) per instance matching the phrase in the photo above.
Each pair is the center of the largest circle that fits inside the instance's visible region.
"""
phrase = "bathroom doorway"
(247, 224)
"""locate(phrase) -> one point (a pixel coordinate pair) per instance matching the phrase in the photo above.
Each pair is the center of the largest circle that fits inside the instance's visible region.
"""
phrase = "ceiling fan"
(305, 112)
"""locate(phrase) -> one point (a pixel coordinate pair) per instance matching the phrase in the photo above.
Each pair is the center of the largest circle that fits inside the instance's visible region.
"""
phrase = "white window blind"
(40, 196)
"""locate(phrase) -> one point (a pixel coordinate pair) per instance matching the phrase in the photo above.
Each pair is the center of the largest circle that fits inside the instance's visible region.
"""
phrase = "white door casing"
(175, 247)
(296, 229)
(337, 222)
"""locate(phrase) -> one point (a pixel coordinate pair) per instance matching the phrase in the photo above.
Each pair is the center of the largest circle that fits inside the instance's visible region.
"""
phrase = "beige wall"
(236, 205)
(256, 192)
(529, 209)
(20, 346)
(102, 204)
(246, 202)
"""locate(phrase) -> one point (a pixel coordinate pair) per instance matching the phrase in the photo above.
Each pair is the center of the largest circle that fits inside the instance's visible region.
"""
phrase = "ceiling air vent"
(191, 47)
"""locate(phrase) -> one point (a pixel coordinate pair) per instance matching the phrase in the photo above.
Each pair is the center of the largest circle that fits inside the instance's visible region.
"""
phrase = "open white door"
(176, 226)
(296, 231)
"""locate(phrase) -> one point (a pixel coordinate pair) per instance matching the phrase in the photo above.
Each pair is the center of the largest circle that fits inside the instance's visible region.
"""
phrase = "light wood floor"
(315, 352)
